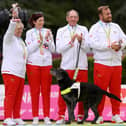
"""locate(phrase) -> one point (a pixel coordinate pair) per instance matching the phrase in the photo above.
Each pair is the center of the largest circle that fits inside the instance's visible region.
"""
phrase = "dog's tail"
(111, 95)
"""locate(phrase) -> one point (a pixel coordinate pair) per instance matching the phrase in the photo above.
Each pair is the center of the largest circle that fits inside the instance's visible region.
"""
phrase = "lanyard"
(40, 39)
(39, 35)
(107, 32)
(72, 32)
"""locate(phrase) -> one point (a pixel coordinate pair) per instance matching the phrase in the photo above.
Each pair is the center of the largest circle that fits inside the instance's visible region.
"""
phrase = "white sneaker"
(47, 121)
(9, 122)
(61, 120)
(100, 120)
(79, 118)
(116, 119)
(35, 121)
(19, 121)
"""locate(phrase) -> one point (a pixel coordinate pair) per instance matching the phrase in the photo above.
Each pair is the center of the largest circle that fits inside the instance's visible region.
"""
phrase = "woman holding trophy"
(13, 69)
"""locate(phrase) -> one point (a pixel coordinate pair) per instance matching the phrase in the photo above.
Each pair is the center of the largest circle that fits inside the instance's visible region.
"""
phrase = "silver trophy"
(15, 8)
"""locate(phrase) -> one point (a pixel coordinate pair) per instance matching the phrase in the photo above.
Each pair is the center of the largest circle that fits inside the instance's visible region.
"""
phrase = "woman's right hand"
(48, 34)
(16, 20)
(14, 14)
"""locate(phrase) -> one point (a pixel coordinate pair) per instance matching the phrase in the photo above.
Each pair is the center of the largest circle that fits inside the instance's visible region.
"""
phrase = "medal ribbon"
(72, 32)
(40, 40)
(107, 32)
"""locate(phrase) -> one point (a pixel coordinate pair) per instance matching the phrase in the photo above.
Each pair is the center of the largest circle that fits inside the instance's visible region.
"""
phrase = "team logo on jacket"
(99, 75)
(12, 79)
(91, 36)
(30, 73)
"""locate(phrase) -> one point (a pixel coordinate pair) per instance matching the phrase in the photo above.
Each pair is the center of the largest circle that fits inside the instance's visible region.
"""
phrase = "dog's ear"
(58, 68)
(53, 71)
(53, 68)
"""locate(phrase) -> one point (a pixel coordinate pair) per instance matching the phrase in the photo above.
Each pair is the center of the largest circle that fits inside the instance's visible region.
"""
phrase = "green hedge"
(56, 64)
(124, 70)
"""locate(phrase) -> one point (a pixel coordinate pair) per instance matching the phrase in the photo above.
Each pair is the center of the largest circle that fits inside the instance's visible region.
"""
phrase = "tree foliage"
(55, 10)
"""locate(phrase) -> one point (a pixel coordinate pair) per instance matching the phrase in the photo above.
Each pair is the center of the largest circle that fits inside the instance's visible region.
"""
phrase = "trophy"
(15, 8)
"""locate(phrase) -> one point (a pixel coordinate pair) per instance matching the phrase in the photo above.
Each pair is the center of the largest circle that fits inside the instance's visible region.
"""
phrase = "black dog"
(72, 92)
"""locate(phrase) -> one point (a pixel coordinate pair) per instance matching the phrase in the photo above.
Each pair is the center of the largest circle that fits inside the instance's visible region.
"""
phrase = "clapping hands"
(116, 46)
(78, 37)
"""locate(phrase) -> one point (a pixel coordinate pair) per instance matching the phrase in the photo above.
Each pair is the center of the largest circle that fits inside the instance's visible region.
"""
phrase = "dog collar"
(66, 91)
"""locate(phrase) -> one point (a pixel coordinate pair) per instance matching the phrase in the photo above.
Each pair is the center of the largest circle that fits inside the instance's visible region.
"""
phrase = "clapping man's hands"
(116, 46)
(79, 38)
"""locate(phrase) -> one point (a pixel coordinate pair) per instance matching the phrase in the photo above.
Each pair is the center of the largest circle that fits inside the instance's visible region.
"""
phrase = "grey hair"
(19, 25)
(68, 12)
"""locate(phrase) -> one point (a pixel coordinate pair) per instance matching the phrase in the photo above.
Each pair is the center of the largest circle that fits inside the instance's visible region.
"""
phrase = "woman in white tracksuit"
(40, 46)
(13, 71)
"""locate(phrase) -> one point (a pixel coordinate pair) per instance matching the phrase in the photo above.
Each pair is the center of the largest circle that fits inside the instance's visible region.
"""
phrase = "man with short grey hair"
(68, 40)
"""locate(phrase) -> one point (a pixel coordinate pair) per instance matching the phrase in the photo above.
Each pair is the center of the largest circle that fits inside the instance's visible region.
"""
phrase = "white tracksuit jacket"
(14, 53)
(68, 52)
(34, 56)
(103, 53)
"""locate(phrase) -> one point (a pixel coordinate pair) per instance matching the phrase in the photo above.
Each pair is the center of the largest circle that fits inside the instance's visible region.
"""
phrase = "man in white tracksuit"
(107, 41)
(67, 44)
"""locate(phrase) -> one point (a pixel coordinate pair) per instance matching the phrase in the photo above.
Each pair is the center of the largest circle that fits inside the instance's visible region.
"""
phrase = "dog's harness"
(66, 91)
(75, 85)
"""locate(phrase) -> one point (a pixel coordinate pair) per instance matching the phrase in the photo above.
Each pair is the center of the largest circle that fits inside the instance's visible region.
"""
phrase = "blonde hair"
(19, 25)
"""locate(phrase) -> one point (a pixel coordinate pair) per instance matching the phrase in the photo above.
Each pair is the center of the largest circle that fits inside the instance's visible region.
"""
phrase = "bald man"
(68, 40)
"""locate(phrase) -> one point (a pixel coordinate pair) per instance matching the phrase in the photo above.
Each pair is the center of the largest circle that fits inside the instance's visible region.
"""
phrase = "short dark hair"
(101, 8)
(34, 17)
